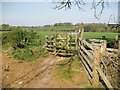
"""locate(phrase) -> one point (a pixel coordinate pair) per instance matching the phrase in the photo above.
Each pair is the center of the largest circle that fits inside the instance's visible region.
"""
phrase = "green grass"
(57, 28)
(65, 68)
(98, 35)
(87, 35)
(0, 34)
(43, 34)
(46, 33)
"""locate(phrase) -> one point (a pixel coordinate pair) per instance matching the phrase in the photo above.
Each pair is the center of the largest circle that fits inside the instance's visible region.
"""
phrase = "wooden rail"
(102, 75)
(90, 54)
(59, 45)
(91, 59)
(91, 63)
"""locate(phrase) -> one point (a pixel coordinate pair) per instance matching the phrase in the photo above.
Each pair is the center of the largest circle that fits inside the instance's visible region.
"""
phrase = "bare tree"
(67, 4)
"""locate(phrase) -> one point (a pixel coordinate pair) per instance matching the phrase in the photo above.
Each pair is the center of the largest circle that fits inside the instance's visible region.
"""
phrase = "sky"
(43, 13)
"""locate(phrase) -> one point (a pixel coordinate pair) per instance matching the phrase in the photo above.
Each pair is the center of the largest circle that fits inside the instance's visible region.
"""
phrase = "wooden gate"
(90, 52)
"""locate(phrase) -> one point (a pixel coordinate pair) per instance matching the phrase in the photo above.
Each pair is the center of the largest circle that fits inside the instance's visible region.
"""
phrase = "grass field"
(43, 34)
(58, 28)
(87, 35)
(98, 35)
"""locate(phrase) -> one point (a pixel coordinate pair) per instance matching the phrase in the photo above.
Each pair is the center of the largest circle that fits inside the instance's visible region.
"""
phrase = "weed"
(23, 54)
(65, 68)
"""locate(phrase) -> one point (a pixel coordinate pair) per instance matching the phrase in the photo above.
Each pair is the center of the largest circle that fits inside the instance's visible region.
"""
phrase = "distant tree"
(63, 24)
(96, 27)
(67, 24)
(5, 27)
(47, 25)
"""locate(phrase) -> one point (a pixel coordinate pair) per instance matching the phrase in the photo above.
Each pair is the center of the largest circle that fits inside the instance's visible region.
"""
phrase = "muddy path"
(38, 74)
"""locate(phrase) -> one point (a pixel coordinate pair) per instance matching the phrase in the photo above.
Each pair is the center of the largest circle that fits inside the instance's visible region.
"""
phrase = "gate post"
(103, 47)
(76, 37)
(68, 42)
(119, 53)
(96, 63)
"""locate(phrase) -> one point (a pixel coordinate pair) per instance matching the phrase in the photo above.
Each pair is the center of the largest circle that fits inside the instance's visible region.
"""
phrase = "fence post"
(118, 49)
(54, 43)
(103, 47)
(82, 31)
(76, 45)
(96, 63)
(68, 42)
(46, 40)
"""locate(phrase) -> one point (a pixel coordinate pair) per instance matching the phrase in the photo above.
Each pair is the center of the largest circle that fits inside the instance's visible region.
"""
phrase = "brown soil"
(39, 73)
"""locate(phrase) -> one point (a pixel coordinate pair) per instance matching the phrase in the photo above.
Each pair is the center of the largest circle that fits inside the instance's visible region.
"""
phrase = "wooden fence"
(58, 45)
(91, 53)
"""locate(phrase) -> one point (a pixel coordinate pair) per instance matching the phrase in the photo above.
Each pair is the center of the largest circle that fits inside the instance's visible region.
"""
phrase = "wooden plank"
(87, 67)
(119, 49)
(49, 49)
(104, 64)
(87, 52)
(60, 38)
(88, 44)
(82, 31)
(72, 43)
(88, 74)
(102, 75)
(96, 63)
(112, 50)
(86, 59)
(65, 54)
(76, 44)
(50, 46)
(103, 47)
(49, 41)
(95, 40)
(68, 42)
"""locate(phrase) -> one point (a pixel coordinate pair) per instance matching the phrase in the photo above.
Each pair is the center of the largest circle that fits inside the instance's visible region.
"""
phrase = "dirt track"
(38, 75)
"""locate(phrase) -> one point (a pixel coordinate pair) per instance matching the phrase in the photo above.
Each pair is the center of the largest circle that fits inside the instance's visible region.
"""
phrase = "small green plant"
(22, 54)
(64, 69)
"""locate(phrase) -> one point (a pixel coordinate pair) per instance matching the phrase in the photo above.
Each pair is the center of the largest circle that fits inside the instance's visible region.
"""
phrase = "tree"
(67, 4)
(63, 24)
(5, 26)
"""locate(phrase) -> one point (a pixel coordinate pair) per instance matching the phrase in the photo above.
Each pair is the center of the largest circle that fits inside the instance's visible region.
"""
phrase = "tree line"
(88, 27)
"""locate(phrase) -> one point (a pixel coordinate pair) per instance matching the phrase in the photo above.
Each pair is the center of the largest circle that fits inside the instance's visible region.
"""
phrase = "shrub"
(23, 54)
(23, 43)
(5, 38)
(22, 39)
(19, 38)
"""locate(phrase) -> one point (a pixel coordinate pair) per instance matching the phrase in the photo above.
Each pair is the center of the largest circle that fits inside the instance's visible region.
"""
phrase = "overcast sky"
(42, 13)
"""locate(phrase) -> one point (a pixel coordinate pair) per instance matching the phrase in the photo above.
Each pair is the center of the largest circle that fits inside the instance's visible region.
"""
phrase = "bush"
(19, 38)
(5, 38)
(23, 43)
(22, 39)
(23, 54)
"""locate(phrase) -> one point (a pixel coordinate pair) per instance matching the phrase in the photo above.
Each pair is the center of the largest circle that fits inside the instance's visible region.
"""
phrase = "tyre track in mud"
(46, 66)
